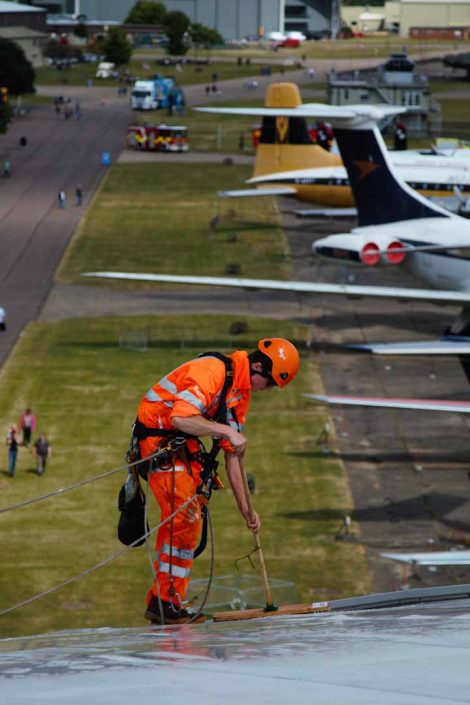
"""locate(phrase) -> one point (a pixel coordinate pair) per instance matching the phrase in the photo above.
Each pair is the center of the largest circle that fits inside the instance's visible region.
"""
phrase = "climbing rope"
(62, 490)
(152, 564)
(119, 553)
(97, 565)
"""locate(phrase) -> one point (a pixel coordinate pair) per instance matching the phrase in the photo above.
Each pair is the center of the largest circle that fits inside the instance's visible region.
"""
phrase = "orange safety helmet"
(284, 357)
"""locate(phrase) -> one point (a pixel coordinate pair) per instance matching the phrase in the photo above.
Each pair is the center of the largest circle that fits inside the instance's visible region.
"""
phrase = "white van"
(105, 69)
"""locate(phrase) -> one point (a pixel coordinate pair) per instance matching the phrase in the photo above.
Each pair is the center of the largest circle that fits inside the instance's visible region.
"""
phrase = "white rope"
(97, 565)
(61, 490)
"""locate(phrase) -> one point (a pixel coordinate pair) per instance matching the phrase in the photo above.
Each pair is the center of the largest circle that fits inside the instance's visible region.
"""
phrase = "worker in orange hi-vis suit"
(207, 396)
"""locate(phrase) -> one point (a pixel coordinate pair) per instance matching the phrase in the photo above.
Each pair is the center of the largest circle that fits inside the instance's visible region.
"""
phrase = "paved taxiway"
(59, 154)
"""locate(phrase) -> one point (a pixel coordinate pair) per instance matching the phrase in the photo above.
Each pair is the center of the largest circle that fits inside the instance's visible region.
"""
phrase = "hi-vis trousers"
(178, 538)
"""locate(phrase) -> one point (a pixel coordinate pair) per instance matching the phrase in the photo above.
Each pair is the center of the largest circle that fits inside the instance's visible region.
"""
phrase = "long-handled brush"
(270, 609)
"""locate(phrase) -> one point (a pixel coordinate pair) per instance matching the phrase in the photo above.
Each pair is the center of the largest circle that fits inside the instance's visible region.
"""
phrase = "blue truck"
(156, 93)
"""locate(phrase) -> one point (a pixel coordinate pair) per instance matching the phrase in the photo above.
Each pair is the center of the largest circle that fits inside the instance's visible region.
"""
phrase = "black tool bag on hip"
(131, 503)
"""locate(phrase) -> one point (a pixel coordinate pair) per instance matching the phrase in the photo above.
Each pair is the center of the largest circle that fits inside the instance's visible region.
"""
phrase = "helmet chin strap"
(263, 360)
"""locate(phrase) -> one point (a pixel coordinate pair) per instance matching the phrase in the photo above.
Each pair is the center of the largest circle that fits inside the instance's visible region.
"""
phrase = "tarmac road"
(34, 231)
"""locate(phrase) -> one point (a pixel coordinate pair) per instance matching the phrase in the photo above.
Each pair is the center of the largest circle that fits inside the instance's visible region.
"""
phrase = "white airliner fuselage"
(440, 269)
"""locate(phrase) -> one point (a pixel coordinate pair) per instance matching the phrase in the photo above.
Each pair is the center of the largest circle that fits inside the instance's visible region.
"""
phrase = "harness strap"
(221, 412)
(141, 431)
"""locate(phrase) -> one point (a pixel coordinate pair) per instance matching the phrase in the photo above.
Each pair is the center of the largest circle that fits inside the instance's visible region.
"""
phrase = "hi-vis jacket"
(194, 388)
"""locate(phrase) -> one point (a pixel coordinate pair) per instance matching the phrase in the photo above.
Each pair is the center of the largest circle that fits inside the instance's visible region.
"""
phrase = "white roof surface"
(410, 655)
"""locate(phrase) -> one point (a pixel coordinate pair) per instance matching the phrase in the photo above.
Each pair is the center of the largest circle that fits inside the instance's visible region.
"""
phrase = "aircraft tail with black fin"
(381, 196)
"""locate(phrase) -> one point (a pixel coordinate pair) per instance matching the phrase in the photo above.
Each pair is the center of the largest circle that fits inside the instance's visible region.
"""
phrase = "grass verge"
(85, 389)
(189, 74)
(147, 218)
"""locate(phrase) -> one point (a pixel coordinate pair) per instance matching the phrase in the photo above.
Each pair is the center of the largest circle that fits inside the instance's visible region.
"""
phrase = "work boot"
(171, 614)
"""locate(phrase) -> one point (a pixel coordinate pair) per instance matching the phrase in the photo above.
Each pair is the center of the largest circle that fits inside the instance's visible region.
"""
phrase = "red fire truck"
(158, 138)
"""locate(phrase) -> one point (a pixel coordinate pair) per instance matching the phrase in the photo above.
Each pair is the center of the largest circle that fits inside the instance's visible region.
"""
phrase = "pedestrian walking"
(78, 195)
(13, 443)
(61, 198)
(6, 169)
(400, 137)
(207, 396)
(42, 451)
(27, 425)
(3, 319)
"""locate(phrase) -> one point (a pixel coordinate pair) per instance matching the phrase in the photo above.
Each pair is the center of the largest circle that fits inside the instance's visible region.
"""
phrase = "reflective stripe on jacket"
(194, 388)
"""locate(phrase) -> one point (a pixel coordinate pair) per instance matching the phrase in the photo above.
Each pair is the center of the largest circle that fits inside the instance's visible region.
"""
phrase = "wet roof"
(408, 655)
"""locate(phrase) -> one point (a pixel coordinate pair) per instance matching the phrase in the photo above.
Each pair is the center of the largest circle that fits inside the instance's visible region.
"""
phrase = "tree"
(16, 72)
(146, 12)
(116, 47)
(57, 50)
(176, 25)
(202, 35)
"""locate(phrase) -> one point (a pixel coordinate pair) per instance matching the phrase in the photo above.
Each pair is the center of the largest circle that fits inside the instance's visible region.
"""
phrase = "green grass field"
(85, 389)
(224, 62)
(153, 219)
(190, 74)
(357, 48)
(455, 109)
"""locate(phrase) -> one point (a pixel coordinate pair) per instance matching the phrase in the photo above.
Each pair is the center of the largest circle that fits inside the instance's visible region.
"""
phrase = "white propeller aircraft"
(397, 226)
(288, 163)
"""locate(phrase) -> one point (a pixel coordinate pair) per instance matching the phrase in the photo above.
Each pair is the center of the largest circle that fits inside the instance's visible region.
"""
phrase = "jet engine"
(360, 249)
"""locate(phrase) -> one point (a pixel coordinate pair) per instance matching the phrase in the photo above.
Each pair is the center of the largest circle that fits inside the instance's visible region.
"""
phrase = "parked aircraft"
(288, 163)
(396, 226)
(449, 406)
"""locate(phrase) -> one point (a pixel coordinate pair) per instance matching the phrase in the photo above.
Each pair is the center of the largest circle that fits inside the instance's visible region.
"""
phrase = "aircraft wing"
(431, 558)
(325, 213)
(299, 175)
(448, 345)
(255, 192)
(458, 407)
(349, 290)
(322, 111)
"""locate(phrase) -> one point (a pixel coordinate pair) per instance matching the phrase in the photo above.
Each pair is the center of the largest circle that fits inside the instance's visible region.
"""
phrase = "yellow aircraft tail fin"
(285, 143)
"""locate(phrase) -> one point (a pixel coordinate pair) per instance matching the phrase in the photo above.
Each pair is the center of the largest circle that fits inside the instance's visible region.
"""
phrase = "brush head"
(234, 616)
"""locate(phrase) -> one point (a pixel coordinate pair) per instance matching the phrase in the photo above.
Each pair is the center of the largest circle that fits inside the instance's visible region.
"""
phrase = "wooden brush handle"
(267, 589)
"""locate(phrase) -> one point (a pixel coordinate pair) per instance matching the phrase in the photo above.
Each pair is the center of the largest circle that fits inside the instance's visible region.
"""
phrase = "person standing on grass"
(42, 451)
(27, 425)
(13, 443)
